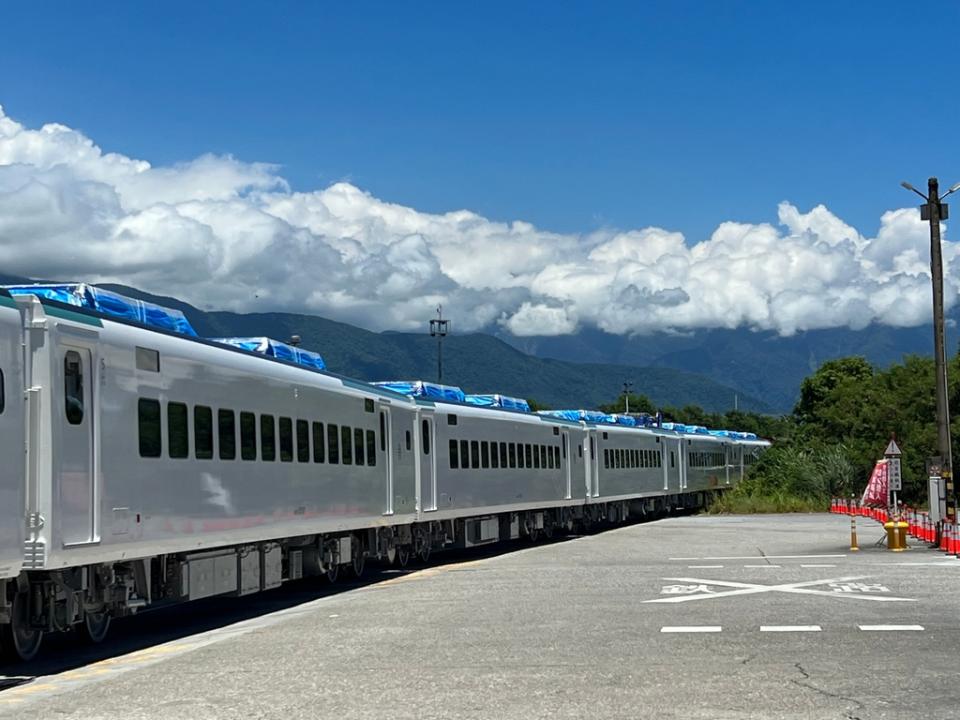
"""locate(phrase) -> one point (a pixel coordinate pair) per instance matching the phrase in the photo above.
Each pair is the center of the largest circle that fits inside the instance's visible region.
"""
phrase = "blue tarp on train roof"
(593, 416)
(620, 420)
(419, 388)
(275, 349)
(500, 401)
(110, 303)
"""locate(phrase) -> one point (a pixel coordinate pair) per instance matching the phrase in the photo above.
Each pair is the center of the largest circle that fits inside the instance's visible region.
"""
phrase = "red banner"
(878, 489)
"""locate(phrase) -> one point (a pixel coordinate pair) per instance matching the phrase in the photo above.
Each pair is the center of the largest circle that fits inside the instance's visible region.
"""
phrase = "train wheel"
(332, 571)
(17, 639)
(424, 551)
(96, 626)
(358, 559)
(403, 555)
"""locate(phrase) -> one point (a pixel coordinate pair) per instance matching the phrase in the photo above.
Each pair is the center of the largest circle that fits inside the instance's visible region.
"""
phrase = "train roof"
(87, 300)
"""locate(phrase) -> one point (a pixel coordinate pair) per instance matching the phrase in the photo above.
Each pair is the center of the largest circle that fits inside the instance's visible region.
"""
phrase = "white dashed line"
(817, 565)
(890, 628)
(764, 565)
(790, 628)
(691, 629)
(703, 567)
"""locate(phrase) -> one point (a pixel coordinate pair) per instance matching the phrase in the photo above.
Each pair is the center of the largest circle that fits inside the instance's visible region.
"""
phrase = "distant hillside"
(761, 364)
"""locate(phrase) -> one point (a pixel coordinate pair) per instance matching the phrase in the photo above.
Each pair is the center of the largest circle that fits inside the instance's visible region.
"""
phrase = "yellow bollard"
(901, 530)
(893, 537)
(853, 533)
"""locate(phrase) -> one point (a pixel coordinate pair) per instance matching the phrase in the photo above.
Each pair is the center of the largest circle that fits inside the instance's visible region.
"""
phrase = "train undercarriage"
(83, 600)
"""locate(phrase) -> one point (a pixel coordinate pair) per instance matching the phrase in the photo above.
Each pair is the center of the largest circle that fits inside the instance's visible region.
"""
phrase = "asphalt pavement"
(691, 617)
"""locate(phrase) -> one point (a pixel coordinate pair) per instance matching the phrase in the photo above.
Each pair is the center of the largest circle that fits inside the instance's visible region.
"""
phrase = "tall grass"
(789, 478)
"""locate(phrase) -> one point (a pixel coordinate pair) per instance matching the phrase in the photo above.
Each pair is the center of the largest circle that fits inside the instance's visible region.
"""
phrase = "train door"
(727, 460)
(681, 465)
(594, 462)
(386, 447)
(76, 418)
(567, 460)
(428, 463)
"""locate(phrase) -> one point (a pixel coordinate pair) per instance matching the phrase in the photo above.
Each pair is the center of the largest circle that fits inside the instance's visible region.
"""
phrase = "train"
(146, 466)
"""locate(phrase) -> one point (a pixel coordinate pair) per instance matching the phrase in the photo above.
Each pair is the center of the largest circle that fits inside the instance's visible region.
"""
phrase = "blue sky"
(680, 114)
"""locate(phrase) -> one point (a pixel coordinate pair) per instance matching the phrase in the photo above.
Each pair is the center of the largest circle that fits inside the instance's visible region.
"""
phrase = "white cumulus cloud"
(227, 234)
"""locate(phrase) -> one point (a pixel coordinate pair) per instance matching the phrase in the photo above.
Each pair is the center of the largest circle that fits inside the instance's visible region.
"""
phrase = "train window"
(202, 432)
(408, 441)
(520, 462)
(319, 443)
(358, 446)
(513, 455)
(475, 454)
(454, 457)
(383, 433)
(536, 457)
(147, 359)
(556, 456)
(494, 456)
(268, 438)
(451, 419)
(543, 456)
(248, 436)
(148, 416)
(593, 448)
(672, 463)
(528, 454)
(346, 445)
(371, 448)
(464, 454)
(333, 443)
(503, 455)
(73, 389)
(178, 442)
(579, 450)
(556, 430)
(2, 396)
(303, 441)
(485, 455)
(368, 405)
(616, 458)
(563, 445)
(227, 437)
(286, 439)
(606, 457)
(550, 457)
(425, 433)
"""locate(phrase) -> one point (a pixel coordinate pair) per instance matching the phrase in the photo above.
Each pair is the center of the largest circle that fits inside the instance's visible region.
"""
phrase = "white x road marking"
(800, 588)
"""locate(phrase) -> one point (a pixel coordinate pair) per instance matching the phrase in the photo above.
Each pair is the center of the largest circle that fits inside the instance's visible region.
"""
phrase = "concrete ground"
(695, 617)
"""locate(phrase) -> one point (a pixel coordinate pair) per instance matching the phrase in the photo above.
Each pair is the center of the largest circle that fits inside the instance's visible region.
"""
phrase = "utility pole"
(934, 210)
(439, 329)
(626, 396)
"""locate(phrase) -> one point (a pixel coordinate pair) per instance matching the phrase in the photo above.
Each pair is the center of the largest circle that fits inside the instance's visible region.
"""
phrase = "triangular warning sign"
(892, 449)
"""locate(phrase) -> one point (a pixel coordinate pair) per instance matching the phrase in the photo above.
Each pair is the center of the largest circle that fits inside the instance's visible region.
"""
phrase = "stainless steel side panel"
(12, 448)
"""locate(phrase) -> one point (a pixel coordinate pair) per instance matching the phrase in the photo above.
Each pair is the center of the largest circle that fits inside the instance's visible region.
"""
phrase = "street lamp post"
(626, 396)
(439, 329)
(934, 210)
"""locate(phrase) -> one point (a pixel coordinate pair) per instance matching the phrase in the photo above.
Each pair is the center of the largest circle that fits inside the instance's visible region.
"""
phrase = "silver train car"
(146, 467)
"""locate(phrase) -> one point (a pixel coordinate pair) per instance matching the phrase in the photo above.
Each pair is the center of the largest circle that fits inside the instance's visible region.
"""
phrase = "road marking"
(790, 628)
(889, 628)
(811, 565)
(691, 629)
(759, 557)
(766, 565)
(699, 589)
(703, 567)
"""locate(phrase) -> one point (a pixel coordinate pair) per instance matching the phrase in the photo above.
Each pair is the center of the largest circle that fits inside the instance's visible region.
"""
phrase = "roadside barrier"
(908, 522)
